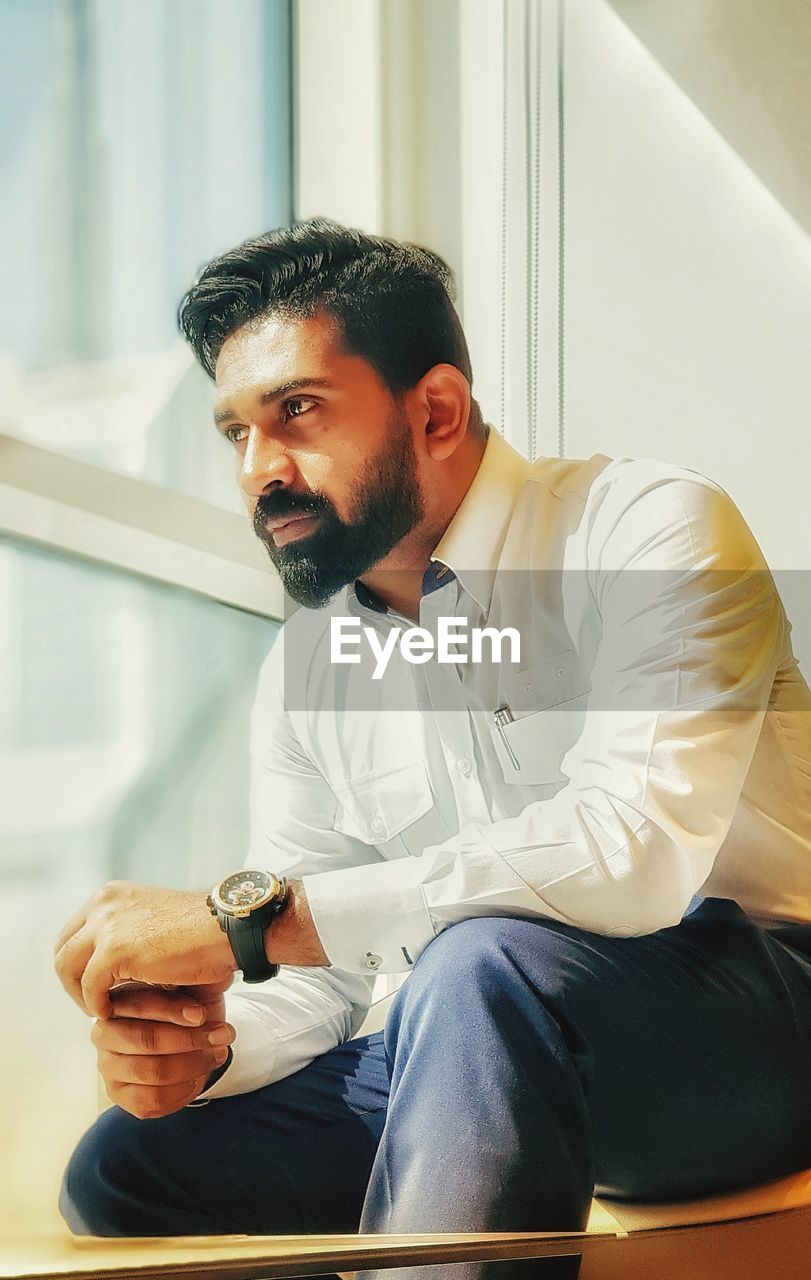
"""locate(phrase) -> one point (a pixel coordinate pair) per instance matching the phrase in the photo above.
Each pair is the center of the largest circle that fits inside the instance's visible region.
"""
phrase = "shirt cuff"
(205, 1096)
(253, 1056)
(372, 918)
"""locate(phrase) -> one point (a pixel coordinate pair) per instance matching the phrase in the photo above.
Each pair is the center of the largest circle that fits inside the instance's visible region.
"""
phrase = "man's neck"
(397, 580)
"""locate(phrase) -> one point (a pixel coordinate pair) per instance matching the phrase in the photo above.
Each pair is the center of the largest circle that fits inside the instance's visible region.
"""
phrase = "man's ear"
(444, 399)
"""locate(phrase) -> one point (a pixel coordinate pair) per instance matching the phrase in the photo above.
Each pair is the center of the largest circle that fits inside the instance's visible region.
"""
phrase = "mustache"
(274, 506)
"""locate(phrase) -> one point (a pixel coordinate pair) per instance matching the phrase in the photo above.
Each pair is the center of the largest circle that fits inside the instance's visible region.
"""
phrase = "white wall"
(687, 298)
(338, 113)
(377, 118)
(688, 289)
(745, 64)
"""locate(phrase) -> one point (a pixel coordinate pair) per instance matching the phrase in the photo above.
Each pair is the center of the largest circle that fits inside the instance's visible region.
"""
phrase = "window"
(142, 139)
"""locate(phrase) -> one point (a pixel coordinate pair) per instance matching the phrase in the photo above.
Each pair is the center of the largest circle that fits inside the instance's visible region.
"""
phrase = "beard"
(386, 504)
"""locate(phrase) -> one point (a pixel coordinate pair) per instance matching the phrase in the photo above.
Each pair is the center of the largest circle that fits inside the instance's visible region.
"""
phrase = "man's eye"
(236, 434)
(298, 400)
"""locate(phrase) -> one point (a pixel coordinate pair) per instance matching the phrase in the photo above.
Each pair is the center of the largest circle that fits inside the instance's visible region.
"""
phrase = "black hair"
(393, 301)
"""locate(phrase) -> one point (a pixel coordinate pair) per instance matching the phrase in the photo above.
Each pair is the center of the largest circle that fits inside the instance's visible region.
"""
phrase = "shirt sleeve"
(691, 630)
(282, 1024)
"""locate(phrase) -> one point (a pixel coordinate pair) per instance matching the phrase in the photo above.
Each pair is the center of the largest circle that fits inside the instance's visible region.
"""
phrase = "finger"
(157, 1004)
(138, 1036)
(98, 979)
(208, 991)
(77, 921)
(150, 1102)
(159, 1069)
(213, 1006)
(212, 997)
(71, 964)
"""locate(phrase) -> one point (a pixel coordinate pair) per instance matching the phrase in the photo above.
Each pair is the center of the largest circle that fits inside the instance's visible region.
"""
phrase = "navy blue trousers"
(524, 1063)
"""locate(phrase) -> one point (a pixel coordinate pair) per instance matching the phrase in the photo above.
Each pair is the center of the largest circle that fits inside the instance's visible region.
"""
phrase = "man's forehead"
(274, 342)
(273, 352)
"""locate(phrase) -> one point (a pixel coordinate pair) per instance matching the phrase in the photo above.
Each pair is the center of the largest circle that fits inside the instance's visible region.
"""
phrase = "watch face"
(245, 890)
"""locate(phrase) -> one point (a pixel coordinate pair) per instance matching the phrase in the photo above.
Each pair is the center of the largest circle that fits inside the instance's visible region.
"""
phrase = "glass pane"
(124, 713)
(139, 140)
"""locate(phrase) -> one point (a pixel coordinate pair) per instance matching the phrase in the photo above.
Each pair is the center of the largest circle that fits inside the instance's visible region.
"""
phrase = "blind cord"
(532, 31)
(504, 192)
(532, 96)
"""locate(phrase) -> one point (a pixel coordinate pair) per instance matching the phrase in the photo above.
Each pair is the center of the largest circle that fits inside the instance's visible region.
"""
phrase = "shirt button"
(561, 671)
(464, 766)
(378, 825)
(372, 961)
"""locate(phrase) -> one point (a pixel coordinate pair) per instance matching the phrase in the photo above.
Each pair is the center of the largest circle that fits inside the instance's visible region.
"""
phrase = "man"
(589, 852)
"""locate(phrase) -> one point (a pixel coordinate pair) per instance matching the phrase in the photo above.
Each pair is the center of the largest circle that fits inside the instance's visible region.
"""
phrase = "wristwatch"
(245, 903)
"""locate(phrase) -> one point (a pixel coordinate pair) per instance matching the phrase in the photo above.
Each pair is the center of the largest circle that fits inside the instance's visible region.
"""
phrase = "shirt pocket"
(391, 811)
(531, 748)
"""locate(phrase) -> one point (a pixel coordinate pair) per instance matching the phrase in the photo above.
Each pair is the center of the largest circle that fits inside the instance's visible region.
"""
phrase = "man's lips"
(288, 528)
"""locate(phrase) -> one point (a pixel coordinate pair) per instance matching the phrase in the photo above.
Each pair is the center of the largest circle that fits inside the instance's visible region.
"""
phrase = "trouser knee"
(87, 1200)
(104, 1190)
(478, 977)
(487, 956)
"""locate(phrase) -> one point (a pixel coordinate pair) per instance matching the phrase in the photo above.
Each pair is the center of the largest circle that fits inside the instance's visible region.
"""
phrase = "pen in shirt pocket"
(503, 716)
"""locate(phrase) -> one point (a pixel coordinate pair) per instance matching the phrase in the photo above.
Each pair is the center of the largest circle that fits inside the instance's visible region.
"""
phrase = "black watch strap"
(246, 931)
(247, 938)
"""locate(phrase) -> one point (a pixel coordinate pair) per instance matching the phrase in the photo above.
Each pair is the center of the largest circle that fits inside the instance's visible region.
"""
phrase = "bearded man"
(592, 864)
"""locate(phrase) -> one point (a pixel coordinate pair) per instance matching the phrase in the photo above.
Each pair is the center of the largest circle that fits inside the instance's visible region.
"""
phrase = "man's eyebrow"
(295, 384)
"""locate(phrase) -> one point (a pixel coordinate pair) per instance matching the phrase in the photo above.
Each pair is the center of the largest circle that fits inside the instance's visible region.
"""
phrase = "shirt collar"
(470, 547)
(472, 543)
(436, 575)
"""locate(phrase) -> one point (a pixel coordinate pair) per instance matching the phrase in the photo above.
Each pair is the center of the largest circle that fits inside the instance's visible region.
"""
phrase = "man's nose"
(265, 465)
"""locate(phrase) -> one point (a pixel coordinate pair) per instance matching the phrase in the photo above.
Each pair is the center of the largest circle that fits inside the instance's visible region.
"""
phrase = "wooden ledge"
(63, 1256)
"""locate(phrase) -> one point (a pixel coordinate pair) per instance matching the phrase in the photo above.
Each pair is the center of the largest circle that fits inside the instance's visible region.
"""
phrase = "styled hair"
(393, 302)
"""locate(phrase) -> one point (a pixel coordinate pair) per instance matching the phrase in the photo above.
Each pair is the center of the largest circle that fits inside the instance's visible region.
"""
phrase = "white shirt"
(659, 748)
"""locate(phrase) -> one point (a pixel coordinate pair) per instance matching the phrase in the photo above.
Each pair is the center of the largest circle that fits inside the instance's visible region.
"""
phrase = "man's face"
(325, 455)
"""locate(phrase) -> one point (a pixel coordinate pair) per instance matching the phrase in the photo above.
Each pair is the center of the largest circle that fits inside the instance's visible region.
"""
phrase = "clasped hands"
(152, 965)
(158, 1049)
